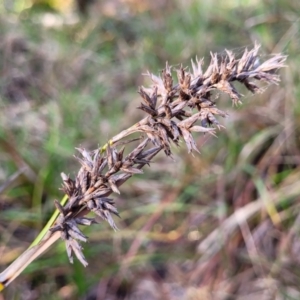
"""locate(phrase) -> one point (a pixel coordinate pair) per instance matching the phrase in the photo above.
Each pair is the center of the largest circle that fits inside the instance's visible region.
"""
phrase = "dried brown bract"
(173, 111)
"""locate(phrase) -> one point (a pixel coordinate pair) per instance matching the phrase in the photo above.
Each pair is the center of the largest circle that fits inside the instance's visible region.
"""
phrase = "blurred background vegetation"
(220, 225)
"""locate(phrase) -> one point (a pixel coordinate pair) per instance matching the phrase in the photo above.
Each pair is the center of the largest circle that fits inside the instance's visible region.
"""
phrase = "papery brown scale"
(87, 197)
(94, 178)
(109, 219)
(146, 129)
(204, 103)
(77, 249)
(179, 117)
(131, 170)
(59, 207)
(69, 185)
(187, 123)
(166, 99)
(231, 61)
(142, 161)
(111, 209)
(204, 90)
(229, 89)
(251, 86)
(77, 236)
(121, 178)
(170, 135)
(162, 133)
(69, 251)
(197, 67)
(96, 156)
(154, 139)
(64, 177)
(214, 110)
(222, 71)
(90, 190)
(180, 76)
(137, 150)
(66, 190)
(77, 179)
(85, 164)
(186, 114)
(64, 235)
(99, 182)
(102, 166)
(175, 131)
(167, 78)
(147, 110)
(187, 81)
(149, 152)
(115, 155)
(103, 192)
(184, 96)
(215, 75)
(195, 83)
(168, 111)
(250, 61)
(193, 102)
(184, 79)
(179, 108)
(55, 228)
(113, 186)
(121, 153)
(73, 225)
(85, 154)
(84, 221)
(110, 158)
(202, 129)
(127, 162)
(109, 204)
(242, 62)
(154, 97)
(205, 121)
(189, 140)
(208, 71)
(175, 103)
(227, 74)
(105, 215)
(166, 122)
(272, 64)
(85, 182)
(155, 79)
(211, 119)
(271, 78)
(146, 97)
(97, 162)
(73, 201)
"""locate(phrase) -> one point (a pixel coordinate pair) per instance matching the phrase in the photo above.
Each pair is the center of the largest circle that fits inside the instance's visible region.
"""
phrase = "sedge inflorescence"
(174, 111)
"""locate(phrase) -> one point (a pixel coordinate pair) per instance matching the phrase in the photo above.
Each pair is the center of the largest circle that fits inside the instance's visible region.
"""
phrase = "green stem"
(49, 223)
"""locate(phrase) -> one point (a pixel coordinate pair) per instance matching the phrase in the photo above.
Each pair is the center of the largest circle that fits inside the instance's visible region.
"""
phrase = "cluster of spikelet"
(174, 111)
